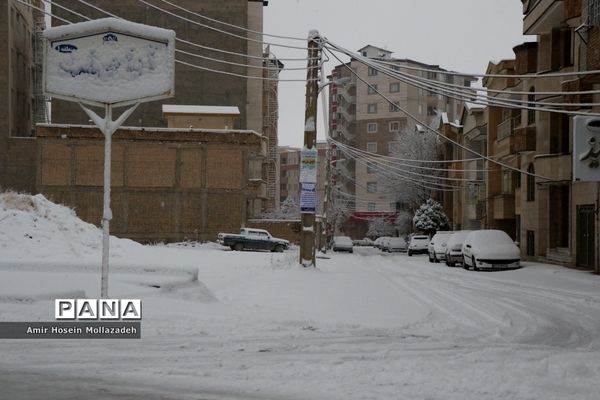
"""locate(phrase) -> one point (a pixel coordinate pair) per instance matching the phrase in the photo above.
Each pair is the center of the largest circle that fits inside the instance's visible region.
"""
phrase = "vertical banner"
(308, 198)
(308, 165)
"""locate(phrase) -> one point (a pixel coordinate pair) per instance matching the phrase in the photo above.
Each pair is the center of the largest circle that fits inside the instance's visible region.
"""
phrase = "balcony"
(504, 206)
(542, 15)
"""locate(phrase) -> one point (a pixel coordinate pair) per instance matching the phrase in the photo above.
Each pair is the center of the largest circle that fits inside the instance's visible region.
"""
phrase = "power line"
(480, 75)
(417, 120)
(231, 25)
(219, 30)
(467, 96)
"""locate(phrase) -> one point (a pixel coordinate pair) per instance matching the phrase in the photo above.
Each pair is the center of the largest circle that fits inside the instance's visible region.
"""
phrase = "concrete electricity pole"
(307, 236)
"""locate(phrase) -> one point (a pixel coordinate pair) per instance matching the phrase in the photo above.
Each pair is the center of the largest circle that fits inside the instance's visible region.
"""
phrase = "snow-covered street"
(363, 326)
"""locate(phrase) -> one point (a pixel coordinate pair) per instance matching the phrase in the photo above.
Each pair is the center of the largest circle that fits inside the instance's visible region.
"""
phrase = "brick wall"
(167, 185)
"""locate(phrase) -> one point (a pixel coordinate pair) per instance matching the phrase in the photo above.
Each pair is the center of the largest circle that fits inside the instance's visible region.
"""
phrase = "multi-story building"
(289, 173)
(559, 218)
(20, 92)
(361, 118)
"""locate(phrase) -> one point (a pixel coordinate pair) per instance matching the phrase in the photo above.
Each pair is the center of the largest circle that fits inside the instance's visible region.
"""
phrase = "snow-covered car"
(395, 244)
(418, 244)
(380, 241)
(437, 246)
(363, 242)
(454, 248)
(342, 243)
(490, 249)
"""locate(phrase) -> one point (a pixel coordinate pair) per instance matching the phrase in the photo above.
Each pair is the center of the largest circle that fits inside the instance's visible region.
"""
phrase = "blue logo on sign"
(110, 37)
(65, 48)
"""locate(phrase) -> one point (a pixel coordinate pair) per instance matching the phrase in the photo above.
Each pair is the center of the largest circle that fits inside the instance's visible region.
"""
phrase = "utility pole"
(307, 236)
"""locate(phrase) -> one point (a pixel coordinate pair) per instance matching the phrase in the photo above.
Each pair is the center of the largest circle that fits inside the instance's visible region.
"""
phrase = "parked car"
(454, 248)
(418, 244)
(252, 239)
(363, 242)
(379, 241)
(342, 243)
(437, 246)
(395, 244)
(490, 249)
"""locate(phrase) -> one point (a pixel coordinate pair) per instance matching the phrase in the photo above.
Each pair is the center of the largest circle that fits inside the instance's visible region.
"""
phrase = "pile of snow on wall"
(32, 227)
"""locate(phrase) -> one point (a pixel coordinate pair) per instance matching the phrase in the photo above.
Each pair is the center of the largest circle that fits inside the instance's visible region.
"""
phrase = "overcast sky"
(460, 35)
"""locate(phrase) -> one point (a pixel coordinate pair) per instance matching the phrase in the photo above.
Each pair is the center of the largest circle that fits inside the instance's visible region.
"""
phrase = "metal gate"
(586, 236)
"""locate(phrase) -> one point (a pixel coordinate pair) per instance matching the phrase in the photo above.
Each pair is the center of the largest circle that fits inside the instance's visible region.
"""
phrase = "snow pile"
(32, 227)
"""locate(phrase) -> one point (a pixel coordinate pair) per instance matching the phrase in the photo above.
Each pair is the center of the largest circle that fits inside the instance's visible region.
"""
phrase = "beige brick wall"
(56, 164)
(225, 166)
(151, 166)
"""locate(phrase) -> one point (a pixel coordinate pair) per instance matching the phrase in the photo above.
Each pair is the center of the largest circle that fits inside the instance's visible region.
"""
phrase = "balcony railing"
(507, 127)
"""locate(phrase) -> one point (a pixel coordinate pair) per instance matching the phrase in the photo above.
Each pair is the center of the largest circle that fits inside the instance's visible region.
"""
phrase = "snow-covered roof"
(182, 109)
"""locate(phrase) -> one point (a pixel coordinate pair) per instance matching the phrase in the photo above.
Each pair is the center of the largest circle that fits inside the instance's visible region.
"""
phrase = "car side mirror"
(517, 243)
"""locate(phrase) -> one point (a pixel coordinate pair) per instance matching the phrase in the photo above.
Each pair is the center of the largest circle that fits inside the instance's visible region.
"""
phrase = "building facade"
(20, 92)
(168, 184)
(360, 117)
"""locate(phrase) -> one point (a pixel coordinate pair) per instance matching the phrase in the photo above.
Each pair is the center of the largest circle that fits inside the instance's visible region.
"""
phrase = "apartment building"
(289, 173)
(361, 118)
(20, 92)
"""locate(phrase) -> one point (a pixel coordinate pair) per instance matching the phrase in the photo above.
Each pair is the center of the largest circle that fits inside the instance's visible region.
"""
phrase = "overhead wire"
(470, 96)
(231, 25)
(417, 120)
(177, 61)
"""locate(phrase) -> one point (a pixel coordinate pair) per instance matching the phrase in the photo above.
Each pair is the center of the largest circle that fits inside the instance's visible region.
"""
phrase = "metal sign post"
(109, 63)
(107, 126)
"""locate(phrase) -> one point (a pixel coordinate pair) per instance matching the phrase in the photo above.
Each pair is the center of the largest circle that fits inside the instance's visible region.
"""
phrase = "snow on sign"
(109, 61)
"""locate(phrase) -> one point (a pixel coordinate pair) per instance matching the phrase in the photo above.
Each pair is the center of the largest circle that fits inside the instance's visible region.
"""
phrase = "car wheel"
(435, 260)
(278, 249)
(430, 259)
(464, 263)
(474, 264)
(238, 246)
(351, 251)
(410, 253)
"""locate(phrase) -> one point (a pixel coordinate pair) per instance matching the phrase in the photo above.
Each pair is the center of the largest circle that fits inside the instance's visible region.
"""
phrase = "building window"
(372, 89)
(372, 108)
(371, 167)
(372, 187)
(372, 71)
(395, 126)
(394, 87)
(531, 243)
(531, 183)
(371, 206)
(517, 179)
(395, 107)
(507, 187)
(372, 147)
(372, 127)
(530, 103)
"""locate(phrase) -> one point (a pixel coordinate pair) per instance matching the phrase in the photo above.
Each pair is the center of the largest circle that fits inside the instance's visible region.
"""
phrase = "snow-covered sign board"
(308, 165)
(109, 61)
(308, 198)
(586, 149)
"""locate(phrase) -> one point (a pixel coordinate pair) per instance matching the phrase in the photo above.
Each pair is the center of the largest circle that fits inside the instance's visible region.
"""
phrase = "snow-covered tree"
(412, 188)
(289, 209)
(404, 222)
(380, 227)
(430, 217)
